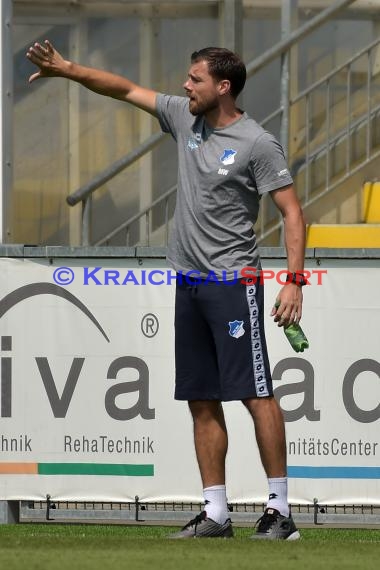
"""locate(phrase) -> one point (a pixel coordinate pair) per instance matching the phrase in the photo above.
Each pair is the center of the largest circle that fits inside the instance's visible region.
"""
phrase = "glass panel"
(65, 135)
(41, 167)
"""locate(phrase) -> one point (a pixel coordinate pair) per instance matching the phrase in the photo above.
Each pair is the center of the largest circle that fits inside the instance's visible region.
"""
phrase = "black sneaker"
(274, 526)
(202, 527)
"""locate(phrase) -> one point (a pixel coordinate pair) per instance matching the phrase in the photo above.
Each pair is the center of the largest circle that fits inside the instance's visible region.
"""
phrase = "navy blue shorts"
(220, 345)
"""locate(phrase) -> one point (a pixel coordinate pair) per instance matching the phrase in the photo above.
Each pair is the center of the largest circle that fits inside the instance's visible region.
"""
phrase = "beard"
(200, 108)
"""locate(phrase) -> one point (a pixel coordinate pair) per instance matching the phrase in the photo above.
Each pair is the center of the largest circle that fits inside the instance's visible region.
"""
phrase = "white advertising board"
(87, 380)
(1, 127)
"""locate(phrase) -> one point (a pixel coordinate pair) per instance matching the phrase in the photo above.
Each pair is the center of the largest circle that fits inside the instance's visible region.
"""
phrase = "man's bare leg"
(271, 441)
(270, 434)
(211, 442)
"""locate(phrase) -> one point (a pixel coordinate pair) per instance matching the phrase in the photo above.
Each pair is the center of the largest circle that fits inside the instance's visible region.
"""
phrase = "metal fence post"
(86, 220)
(6, 132)
(288, 19)
(288, 14)
(231, 25)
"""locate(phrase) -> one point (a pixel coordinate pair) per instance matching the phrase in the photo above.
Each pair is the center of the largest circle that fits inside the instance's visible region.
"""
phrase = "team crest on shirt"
(236, 328)
(228, 156)
(192, 144)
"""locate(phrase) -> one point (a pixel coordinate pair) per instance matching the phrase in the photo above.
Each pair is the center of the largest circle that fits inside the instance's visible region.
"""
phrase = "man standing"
(226, 163)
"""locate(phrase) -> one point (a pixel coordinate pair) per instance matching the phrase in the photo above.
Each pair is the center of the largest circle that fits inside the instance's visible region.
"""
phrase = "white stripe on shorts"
(257, 352)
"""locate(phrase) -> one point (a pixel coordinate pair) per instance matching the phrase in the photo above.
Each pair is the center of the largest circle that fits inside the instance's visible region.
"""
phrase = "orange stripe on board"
(18, 468)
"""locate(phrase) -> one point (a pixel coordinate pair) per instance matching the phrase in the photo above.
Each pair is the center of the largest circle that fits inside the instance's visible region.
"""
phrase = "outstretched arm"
(52, 64)
(290, 296)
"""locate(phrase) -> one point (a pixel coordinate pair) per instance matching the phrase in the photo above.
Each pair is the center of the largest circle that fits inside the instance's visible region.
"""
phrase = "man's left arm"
(290, 296)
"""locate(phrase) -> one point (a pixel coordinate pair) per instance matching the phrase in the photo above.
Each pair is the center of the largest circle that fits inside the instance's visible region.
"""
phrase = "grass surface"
(102, 547)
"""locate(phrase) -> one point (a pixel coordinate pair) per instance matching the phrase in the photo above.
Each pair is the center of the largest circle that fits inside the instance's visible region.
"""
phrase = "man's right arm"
(52, 64)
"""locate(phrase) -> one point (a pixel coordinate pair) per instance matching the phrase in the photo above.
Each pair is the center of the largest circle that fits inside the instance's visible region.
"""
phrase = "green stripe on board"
(96, 469)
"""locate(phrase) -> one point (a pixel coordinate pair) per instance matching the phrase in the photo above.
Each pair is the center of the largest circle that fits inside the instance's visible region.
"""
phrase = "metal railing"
(332, 140)
(322, 151)
(282, 48)
(175, 512)
(325, 85)
(145, 215)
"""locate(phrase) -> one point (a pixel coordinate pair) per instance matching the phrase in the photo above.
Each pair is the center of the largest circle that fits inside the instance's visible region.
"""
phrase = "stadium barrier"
(87, 413)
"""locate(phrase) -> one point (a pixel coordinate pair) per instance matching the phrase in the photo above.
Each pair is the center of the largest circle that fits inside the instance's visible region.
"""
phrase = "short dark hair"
(223, 64)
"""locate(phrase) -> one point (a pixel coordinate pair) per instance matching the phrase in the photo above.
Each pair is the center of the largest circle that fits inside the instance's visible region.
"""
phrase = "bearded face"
(202, 89)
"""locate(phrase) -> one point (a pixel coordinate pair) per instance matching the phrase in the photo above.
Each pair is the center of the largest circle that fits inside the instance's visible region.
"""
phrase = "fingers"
(275, 307)
(287, 315)
(34, 77)
(279, 312)
(287, 309)
(38, 53)
(41, 54)
(298, 314)
(49, 46)
(281, 317)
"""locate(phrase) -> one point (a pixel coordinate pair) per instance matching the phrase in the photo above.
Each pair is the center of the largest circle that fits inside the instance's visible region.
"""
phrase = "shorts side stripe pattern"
(261, 385)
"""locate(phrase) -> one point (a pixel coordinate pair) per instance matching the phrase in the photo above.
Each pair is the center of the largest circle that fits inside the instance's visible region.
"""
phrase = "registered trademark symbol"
(150, 325)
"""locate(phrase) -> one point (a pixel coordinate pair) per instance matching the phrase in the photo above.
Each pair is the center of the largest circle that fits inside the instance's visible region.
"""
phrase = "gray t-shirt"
(222, 173)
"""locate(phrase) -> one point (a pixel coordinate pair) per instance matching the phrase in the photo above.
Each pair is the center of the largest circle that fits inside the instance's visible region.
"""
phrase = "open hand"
(46, 57)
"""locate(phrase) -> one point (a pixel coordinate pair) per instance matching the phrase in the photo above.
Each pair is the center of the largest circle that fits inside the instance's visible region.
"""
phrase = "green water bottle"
(295, 336)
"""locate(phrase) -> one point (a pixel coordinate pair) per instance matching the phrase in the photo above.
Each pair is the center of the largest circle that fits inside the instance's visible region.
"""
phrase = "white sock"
(216, 503)
(278, 495)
